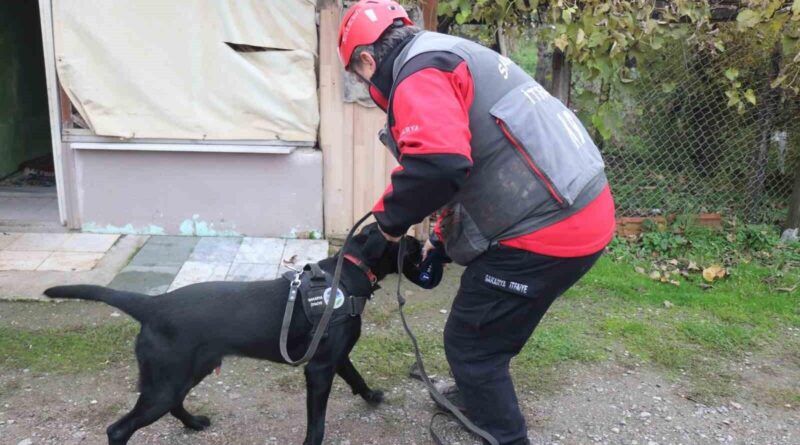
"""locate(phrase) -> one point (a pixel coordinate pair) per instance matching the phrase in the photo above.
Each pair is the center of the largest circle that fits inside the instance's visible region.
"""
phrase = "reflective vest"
(534, 164)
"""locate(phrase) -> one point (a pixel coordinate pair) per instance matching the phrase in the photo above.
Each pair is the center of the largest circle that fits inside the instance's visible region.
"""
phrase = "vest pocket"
(463, 240)
(545, 180)
(550, 139)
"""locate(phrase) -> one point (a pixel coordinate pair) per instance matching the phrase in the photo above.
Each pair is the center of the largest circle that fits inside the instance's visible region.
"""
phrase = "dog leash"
(322, 326)
(401, 301)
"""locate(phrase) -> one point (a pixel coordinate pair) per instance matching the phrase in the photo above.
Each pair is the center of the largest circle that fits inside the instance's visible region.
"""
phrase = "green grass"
(701, 331)
(66, 351)
(614, 313)
(615, 310)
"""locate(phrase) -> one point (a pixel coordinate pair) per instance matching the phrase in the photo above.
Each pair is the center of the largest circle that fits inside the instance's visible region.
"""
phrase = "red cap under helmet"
(364, 23)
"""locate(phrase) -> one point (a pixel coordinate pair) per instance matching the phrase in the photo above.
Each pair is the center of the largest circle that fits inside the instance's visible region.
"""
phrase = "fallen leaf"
(674, 282)
(639, 270)
(713, 272)
(291, 260)
(674, 262)
(668, 304)
(788, 290)
(693, 266)
(655, 275)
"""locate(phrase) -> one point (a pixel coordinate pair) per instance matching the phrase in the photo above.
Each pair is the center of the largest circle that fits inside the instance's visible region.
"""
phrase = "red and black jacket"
(429, 120)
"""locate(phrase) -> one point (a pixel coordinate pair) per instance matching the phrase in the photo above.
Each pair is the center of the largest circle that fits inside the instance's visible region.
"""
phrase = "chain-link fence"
(679, 144)
(685, 146)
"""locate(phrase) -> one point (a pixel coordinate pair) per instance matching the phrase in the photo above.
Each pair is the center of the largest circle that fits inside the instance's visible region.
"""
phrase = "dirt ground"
(264, 404)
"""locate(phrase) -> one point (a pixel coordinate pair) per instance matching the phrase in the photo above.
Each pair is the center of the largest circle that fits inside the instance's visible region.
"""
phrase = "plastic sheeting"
(190, 69)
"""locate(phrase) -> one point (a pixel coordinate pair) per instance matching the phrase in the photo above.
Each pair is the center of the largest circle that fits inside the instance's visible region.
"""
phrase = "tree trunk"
(561, 77)
(793, 221)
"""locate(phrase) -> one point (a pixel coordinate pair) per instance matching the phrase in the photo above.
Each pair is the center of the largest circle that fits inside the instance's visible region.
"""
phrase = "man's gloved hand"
(428, 274)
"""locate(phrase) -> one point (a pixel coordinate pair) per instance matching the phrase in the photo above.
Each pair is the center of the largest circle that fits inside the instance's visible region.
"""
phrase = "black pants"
(503, 296)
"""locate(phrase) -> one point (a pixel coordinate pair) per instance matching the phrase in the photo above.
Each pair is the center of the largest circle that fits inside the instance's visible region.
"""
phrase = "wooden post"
(502, 41)
(562, 76)
(336, 127)
(793, 221)
(429, 15)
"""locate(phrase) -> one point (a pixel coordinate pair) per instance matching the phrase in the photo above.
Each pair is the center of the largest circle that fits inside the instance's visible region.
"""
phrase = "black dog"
(186, 333)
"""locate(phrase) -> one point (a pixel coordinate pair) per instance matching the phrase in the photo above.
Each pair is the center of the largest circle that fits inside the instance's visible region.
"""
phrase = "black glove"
(428, 273)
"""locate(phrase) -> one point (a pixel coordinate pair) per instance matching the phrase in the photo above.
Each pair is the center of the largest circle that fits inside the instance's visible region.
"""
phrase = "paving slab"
(199, 272)
(150, 280)
(260, 251)
(7, 238)
(299, 252)
(21, 260)
(70, 261)
(29, 285)
(216, 250)
(42, 242)
(252, 272)
(165, 251)
(88, 242)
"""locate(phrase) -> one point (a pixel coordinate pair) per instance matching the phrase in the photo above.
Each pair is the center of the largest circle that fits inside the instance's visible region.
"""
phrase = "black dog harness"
(315, 288)
(314, 292)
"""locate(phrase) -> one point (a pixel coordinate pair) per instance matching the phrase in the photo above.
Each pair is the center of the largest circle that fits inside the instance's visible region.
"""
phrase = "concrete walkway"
(166, 263)
(32, 262)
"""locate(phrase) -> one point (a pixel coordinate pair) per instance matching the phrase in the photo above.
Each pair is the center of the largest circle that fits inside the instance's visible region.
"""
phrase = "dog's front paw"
(374, 398)
(198, 423)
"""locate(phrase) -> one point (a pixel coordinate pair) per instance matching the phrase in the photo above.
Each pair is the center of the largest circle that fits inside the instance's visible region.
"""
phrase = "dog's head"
(375, 252)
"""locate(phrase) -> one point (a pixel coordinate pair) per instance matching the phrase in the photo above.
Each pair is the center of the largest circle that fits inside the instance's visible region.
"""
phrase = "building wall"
(357, 166)
(24, 122)
(205, 194)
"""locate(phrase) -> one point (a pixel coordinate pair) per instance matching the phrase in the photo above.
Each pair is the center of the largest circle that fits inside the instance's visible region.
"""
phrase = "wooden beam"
(54, 107)
(65, 106)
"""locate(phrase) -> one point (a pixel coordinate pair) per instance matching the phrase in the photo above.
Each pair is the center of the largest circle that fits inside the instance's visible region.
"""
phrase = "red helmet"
(364, 23)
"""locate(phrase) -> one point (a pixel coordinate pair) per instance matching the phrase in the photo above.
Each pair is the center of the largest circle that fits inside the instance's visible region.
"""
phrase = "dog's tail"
(136, 305)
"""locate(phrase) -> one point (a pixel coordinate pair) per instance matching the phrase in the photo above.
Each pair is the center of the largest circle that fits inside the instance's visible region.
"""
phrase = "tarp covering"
(190, 69)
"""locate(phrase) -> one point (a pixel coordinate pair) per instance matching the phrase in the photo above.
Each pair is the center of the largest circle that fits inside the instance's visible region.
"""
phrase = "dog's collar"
(373, 279)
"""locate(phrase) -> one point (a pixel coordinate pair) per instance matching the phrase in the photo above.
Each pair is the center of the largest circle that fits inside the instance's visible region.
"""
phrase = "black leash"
(322, 326)
(432, 389)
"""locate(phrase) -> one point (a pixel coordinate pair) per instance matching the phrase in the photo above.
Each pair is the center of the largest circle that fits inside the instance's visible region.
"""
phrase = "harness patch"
(339, 298)
(314, 293)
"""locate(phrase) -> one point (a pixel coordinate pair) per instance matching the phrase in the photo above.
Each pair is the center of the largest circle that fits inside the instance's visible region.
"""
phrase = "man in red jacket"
(524, 200)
